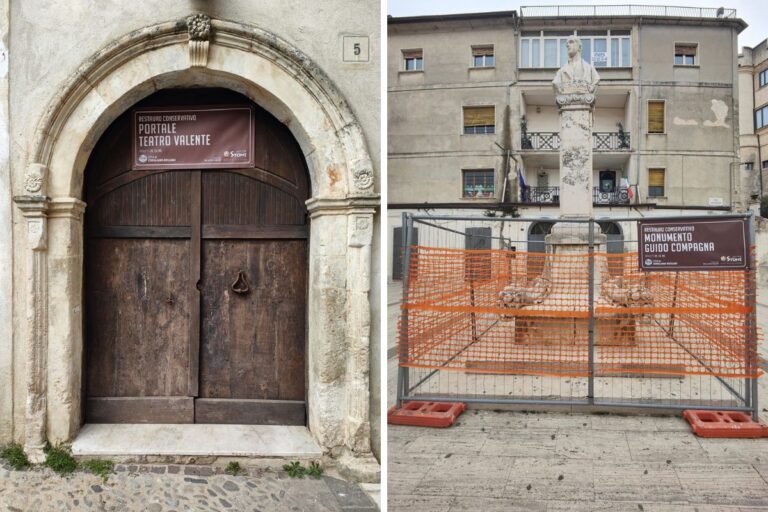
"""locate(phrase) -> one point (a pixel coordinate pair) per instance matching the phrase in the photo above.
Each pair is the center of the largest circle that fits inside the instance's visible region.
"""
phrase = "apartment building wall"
(426, 144)
(753, 141)
(427, 151)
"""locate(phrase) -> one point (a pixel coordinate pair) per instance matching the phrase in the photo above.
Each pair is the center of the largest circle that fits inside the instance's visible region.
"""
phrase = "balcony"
(550, 141)
(551, 195)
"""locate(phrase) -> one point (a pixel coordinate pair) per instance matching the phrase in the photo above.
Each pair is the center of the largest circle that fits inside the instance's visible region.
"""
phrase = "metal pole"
(752, 278)
(591, 286)
(402, 371)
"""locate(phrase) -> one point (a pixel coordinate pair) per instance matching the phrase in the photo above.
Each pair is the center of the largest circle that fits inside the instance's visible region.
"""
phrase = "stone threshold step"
(262, 441)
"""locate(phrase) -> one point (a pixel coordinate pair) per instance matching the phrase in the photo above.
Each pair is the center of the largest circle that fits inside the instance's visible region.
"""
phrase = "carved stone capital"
(583, 100)
(319, 206)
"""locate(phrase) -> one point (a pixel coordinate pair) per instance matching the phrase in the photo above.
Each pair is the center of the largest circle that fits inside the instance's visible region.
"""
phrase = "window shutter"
(479, 51)
(656, 177)
(685, 49)
(479, 116)
(412, 54)
(655, 117)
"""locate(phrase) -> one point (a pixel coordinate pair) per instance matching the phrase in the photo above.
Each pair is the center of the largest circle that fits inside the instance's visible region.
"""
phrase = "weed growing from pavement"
(315, 471)
(100, 467)
(296, 470)
(15, 456)
(59, 458)
(234, 469)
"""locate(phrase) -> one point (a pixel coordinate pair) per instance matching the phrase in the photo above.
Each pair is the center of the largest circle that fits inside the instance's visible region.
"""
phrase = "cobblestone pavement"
(150, 488)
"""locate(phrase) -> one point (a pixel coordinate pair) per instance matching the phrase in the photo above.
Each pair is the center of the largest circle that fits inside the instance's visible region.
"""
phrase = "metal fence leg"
(751, 287)
(591, 279)
(402, 371)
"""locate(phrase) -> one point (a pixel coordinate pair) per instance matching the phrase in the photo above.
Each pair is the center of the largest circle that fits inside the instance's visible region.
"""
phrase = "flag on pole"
(624, 184)
(523, 191)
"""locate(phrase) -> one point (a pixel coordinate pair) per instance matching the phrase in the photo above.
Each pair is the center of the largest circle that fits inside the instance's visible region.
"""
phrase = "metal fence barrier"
(492, 314)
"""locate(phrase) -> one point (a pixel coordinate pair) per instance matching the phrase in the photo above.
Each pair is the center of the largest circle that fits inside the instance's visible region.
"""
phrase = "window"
(656, 116)
(685, 54)
(601, 48)
(413, 60)
(477, 183)
(479, 120)
(765, 164)
(761, 117)
(748, 166)
(482, 56)
(763, 78)
(655, 182)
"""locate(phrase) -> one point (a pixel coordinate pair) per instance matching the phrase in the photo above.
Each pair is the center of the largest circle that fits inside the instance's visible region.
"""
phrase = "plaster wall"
(447, 50)
(55, 43)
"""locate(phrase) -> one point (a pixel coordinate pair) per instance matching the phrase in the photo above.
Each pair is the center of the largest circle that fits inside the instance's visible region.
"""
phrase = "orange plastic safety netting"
(505, 312)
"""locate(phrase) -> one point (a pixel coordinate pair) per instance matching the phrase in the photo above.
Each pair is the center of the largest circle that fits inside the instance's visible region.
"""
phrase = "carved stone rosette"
(199, 29)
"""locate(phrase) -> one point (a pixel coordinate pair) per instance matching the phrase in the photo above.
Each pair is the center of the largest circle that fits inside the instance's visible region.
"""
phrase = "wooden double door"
(195, 287)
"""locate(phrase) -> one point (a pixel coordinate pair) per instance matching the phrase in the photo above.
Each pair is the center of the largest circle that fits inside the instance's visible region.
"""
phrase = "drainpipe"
(639, 121)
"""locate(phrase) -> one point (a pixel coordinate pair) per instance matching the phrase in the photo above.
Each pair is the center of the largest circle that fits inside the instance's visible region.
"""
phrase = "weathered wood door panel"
(139, 317)
(196, 282)
(252, 325)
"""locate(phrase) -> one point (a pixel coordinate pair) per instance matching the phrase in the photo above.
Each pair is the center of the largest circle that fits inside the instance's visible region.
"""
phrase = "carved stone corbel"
(34, 208)
(199, 30)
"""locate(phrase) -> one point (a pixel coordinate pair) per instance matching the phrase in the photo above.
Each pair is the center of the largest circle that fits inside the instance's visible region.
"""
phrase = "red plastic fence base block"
(731, 424)
(426, 414)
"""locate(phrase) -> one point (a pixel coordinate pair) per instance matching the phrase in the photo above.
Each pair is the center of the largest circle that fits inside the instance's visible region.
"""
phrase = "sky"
(751, 11)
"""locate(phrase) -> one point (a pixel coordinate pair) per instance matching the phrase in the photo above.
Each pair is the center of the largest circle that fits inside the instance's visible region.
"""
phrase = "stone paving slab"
(665, 446)
(542, 479)
(41, 490)
(645, 482)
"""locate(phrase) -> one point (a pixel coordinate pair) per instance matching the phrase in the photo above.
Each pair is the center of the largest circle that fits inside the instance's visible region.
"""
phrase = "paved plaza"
(502, 460)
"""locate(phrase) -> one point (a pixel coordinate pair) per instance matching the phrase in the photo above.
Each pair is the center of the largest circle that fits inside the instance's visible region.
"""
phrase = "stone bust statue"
(576, 82)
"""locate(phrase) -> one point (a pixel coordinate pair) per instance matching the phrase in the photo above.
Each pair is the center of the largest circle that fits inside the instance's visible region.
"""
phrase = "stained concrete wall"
(426, 151)
(55, 38)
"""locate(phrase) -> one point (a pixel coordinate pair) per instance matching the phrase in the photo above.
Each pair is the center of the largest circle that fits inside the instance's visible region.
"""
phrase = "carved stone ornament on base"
(199, 29)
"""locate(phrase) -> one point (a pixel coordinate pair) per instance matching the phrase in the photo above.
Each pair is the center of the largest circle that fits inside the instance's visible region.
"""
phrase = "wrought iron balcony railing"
(550, 141)
(616, 196)
(626, 10)
(551, 195)
(547, 195)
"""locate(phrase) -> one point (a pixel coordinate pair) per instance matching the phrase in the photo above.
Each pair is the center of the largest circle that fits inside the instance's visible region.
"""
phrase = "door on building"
(196, 281)
(607, 181)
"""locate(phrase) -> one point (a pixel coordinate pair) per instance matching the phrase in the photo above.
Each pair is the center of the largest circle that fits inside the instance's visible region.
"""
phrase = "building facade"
(753, 129)
(473, 123)
(114, 303)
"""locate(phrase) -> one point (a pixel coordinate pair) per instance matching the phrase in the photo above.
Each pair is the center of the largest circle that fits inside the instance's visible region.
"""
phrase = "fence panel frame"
(749, 401)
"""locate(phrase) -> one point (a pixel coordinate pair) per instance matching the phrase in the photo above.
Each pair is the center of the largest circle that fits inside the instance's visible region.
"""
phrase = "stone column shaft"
(35, 335)
(575, 161)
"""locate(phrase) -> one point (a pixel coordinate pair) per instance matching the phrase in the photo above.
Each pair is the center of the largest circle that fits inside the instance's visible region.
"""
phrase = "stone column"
(35, 335)
(576, 160)
(339, 331)
(65, 318)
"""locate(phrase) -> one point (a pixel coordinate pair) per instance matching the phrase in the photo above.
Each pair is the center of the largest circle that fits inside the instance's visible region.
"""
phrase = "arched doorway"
(196, 280)
(279, 77)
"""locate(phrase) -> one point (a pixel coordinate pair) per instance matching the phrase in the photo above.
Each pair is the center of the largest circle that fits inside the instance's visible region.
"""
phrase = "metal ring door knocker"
(240, 286)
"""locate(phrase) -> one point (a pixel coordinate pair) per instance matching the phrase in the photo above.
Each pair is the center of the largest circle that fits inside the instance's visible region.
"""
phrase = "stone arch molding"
(286, 82)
